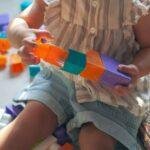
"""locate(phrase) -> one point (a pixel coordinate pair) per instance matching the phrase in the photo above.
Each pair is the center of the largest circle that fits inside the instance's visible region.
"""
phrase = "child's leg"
(34, 123)
(92, 138)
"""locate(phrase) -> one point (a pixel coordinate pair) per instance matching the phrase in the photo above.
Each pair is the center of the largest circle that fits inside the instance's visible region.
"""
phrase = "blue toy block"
(61, 135)
(75, 63)
(34, 70)
(4, 20)
(13, 110)
(3, 35)
(25, 4)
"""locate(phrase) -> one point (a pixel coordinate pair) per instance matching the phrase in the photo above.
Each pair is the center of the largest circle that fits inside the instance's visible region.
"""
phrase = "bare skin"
(37, 121)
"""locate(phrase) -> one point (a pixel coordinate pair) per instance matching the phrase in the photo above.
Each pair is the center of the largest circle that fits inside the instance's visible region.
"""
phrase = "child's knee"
(37, 114)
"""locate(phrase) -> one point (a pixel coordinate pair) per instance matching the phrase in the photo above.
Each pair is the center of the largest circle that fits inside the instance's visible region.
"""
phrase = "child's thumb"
(43, 33)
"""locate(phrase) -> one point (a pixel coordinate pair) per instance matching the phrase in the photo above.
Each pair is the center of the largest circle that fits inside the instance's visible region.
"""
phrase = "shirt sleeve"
(52, 2)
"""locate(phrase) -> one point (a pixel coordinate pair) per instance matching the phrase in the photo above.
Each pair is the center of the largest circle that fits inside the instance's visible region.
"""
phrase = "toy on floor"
(92, 66)
(59, 141)
(5, 118)
(4, 42)
(67, 146)
(4, 45)
(61, 135)
(34, 70)
(16, 64)
(3, 61)
(13, 110)
(25, 4)
(4, 20)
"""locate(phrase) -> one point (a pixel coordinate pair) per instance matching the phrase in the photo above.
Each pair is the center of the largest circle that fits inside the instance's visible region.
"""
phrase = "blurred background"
(10, 85)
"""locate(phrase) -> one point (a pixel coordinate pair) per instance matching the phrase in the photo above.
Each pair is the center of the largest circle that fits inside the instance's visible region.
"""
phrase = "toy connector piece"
(16, 64)
(75, 62)
(34, 70)
(13, 110)
(3, 61)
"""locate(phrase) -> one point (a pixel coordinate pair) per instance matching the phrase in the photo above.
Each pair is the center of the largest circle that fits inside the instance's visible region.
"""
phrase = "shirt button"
(92, 30)
(94, 3)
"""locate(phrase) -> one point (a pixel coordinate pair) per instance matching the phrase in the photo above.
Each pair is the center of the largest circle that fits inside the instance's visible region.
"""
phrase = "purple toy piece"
(13, 110)
(4, 28)
(4, 19)
(61, 135)
(112, 76)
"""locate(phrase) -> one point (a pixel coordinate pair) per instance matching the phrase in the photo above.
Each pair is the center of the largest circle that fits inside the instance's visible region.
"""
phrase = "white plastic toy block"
(49, 143)
(4, 118)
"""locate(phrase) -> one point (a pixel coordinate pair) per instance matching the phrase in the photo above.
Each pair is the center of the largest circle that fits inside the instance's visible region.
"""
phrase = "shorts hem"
(45, 99)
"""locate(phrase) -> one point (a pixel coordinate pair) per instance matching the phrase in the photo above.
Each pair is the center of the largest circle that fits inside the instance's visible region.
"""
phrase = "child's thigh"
(92, 138)
(52, 90)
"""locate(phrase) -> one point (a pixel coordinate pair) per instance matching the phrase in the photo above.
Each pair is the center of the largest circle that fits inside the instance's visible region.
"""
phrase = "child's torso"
(102, 25)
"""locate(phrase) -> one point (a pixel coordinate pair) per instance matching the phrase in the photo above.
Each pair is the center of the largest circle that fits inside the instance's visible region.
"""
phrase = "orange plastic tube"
(94, 66)
(51, 53)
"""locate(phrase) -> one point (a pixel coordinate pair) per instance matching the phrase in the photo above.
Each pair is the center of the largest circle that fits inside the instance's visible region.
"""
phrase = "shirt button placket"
(92, 30)
(94, 3)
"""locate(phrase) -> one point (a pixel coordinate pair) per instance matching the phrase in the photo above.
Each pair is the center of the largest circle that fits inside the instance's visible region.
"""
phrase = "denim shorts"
(54, 90)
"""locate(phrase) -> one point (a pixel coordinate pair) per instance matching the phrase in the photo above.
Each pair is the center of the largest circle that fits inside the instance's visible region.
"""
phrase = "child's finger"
(43, 33)
(30, 59)
(130, 69)
(122, 90)
(29, 42)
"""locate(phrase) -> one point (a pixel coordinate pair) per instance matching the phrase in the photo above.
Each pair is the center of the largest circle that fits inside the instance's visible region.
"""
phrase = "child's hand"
(134, 72)
(29, 42)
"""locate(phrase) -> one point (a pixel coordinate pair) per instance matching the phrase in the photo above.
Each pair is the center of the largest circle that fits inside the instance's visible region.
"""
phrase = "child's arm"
(141, 63)
(23, 30)
(32, 17)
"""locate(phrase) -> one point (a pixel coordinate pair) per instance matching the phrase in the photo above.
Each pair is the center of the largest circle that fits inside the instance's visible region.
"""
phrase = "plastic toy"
(4, 20)
(61, 135)
(13, 110)
(67, 146)
(4, 28)
(92, 66)
(4, 118)
(25, 4)
(4, 45)
(3, 61)
(16, 64)
(34, 70)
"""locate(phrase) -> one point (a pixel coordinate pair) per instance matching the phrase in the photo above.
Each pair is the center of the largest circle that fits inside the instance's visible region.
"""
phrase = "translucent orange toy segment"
(94, 66)
(4, 45)
(41, 51)
(56, 55)
(3, 61)
(16, 65)
(67, 146)
(49, 52)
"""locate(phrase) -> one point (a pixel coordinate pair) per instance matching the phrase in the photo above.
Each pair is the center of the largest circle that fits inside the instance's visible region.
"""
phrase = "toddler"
(97, 116)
